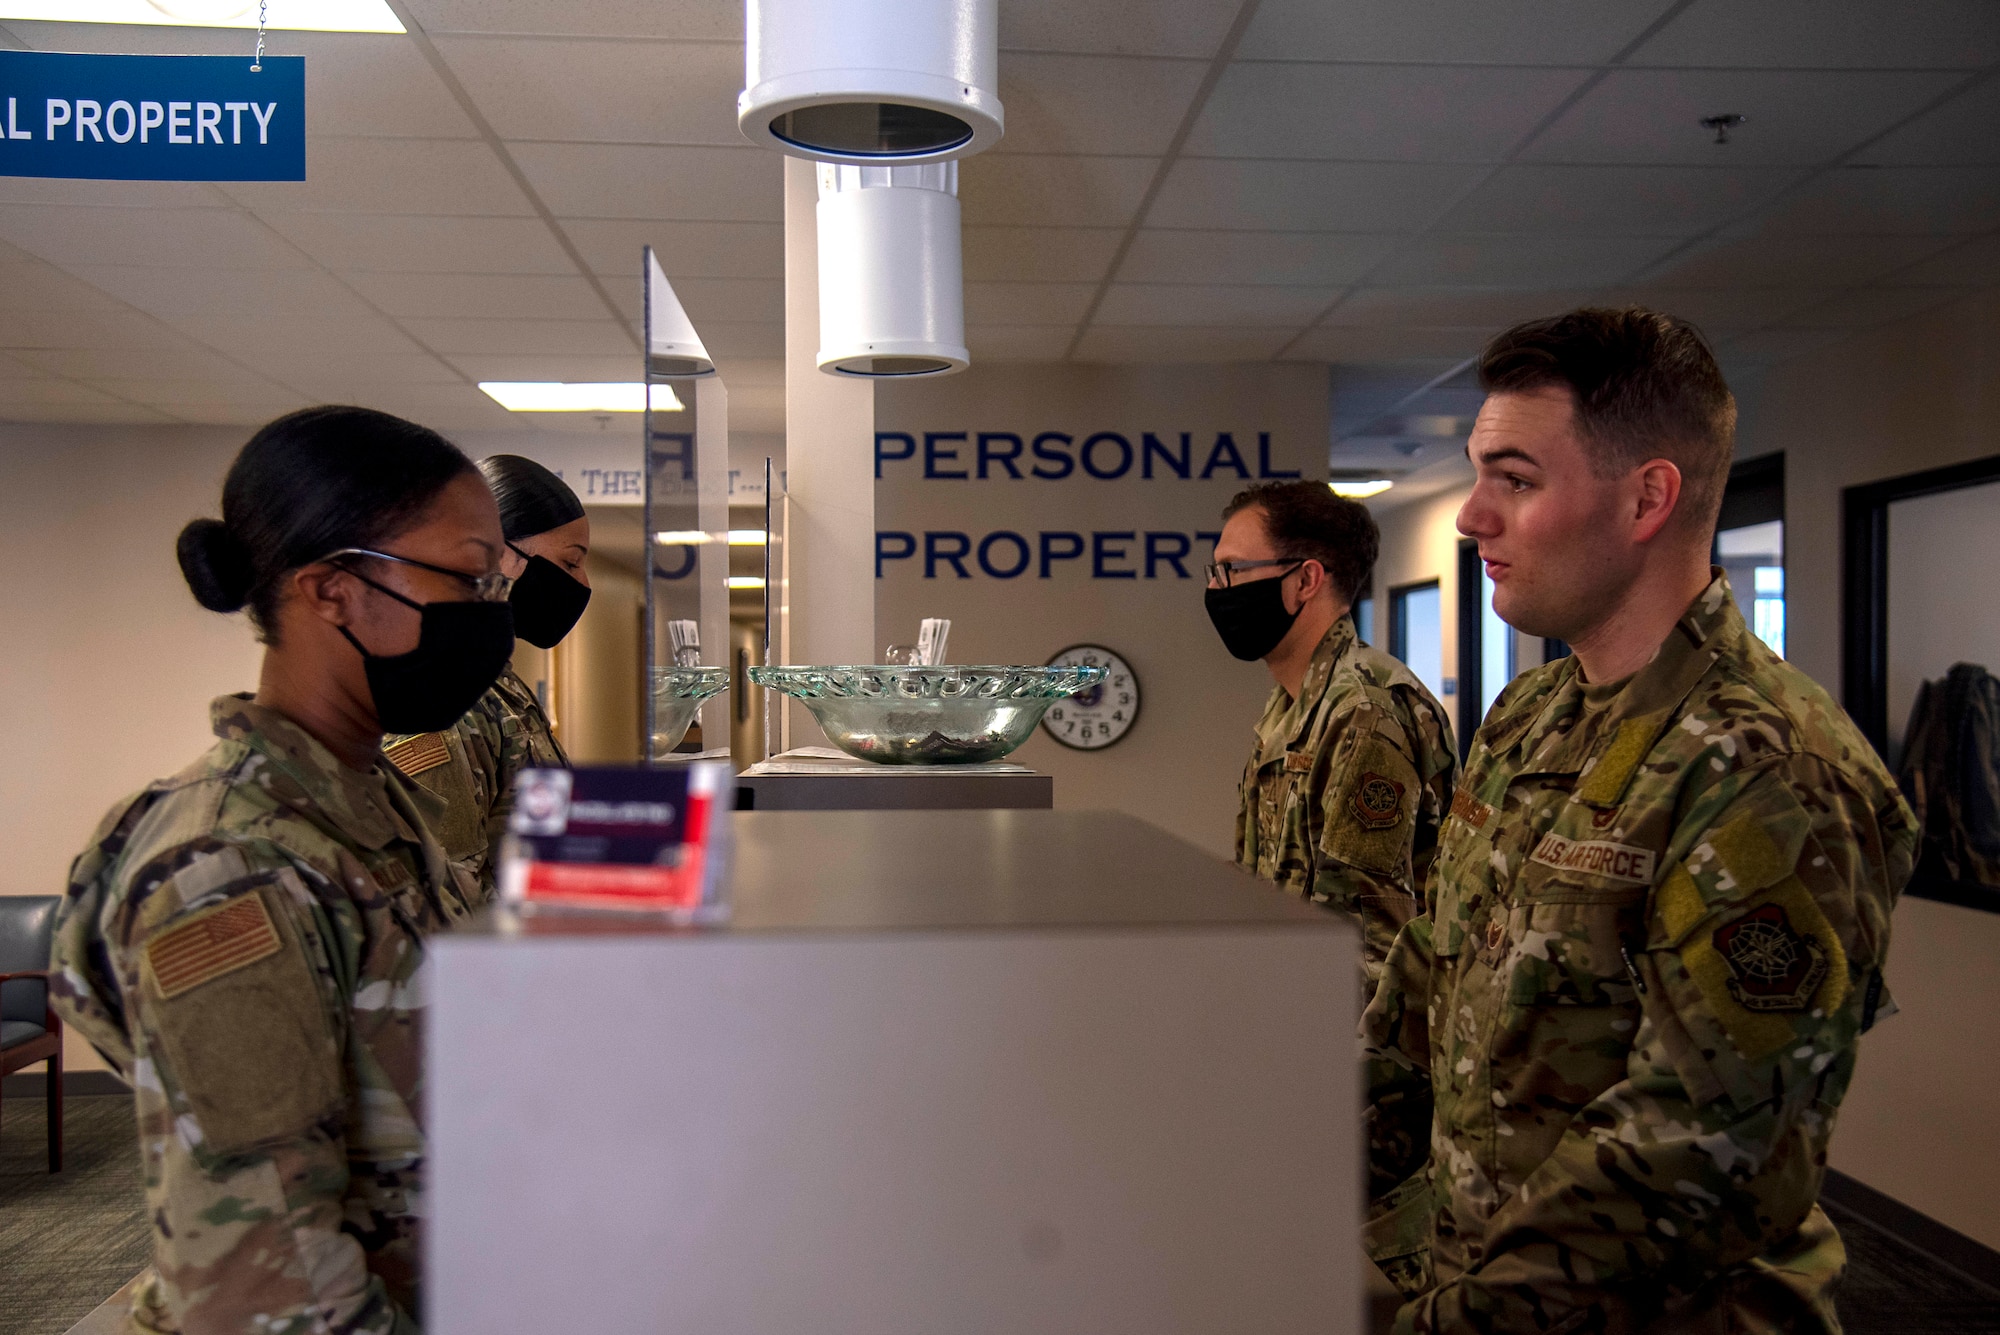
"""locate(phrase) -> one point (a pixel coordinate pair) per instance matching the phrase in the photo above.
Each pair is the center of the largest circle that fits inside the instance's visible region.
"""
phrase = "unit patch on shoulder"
(1378, 802)
(1772, 965)
(1466, 807)
(211, 943)
(414, 755)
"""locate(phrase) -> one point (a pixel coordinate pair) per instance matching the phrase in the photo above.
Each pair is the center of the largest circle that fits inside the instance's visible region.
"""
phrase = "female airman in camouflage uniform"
(244, 942)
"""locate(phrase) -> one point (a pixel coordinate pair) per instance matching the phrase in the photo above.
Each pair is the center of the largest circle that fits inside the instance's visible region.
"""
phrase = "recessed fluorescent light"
(681, 537)
(292, 15)
(1356, 491)
(746, 581)
(746, 537)
(554, 396)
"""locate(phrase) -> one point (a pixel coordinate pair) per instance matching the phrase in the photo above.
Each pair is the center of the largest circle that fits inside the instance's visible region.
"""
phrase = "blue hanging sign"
(152, 118)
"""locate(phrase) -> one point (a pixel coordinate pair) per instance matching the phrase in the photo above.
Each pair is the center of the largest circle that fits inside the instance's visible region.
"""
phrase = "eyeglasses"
(492, 588)
(1221, 573)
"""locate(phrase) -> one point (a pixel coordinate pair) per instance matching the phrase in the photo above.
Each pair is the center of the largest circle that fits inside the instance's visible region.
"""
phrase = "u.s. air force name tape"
(1597, 857)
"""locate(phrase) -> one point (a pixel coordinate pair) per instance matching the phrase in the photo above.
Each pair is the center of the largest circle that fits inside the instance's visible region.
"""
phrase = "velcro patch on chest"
(1298, 762)
(414, 755)
(210, 944)
(1597, 857)
(1466, 807)
(1377, 803)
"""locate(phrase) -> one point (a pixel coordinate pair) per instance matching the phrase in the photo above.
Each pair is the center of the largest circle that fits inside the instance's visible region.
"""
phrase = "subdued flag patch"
(210, 944)
(414, 755)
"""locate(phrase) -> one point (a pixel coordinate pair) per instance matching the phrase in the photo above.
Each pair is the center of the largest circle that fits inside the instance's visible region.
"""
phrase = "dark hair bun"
(217, 565)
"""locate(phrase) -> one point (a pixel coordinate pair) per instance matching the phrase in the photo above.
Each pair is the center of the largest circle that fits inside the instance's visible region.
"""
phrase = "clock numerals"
(1113, 705)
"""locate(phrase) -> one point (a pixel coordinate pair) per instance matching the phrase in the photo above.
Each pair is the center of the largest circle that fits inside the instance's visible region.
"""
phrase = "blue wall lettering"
(1177, 462)
(1264, 468)
(935, 454)
(990, 452)
(1089, 455)
(908, 451)
(949, 546)
(1054, 456)
(1005, 554)
(1072, 541)
(1225, 454)
(1020, 548)
(885, 541)
(1107, 547)
(1157, 550)
(153, 118)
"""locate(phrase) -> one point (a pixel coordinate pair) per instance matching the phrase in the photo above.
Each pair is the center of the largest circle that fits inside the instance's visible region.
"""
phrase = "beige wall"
(1179, 765)
(110, 664)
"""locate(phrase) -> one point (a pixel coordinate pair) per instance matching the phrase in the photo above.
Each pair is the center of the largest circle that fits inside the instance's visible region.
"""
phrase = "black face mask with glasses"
(1250, 617)
(461, 650)
(548, 601)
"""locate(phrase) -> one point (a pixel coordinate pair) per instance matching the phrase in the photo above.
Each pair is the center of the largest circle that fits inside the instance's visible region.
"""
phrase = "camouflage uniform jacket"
(244, 943)
(467, 772)
(1652, 939)
(1346, 786)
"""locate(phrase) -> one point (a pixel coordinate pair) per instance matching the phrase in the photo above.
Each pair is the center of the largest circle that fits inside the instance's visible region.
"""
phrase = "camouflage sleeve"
(1762, 947)
(1396, 1116)
(1388, 786)
(233, 974)
(495, 761)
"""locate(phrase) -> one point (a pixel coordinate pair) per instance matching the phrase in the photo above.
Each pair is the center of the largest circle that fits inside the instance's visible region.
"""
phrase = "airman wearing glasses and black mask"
(1352, 767)
(244, 941)
(469, 765)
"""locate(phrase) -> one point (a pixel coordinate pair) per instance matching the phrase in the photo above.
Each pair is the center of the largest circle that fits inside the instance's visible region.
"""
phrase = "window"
(1750, 544)
(1486, 652)
(1364, 619)
(1416, 632)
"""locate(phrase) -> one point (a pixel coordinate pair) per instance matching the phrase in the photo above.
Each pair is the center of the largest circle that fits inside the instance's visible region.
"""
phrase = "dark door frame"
(1471, 644)
(1864, 594)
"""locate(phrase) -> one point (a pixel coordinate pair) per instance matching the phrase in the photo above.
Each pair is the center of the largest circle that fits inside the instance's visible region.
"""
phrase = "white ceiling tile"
(411, 243)
(43, 287)
(184, 238)
(1333, 343)
(686, 249)
(374, 84)
(1184, 344)
(488, 366)
(606, 91)
(1314, 259)
(52, 393)
(1720, 311)
(12, 369)
(525, 338)
(1392, 307)
(173, 357)
(740, 339)
(637, 181)
(1094, 104)
(1497, 32)
(1851, 34)
(756, 408)
(1038, 254)
(451, 176)
(175, 394)
(1260, 305)
(1518, 259)
(683, 20)
(111, 194)
(76, 328)
(1307, 196)
(1770, 259)
(1619, 201)
(100, 410)
(1865, 308)
(711, 301)
(1974, 262)
(1018, 343)
(1959, 133)
(1768, 347)
(999, 189)
(1376, 113)
(1162, 28)
(1793, 117)
(297, 355)
(481, 296)
(302, 295)
(1026, 303)
(1918, 200)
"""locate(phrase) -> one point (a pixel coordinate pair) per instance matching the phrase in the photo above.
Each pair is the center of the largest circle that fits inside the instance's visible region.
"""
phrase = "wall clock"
(1100, 715)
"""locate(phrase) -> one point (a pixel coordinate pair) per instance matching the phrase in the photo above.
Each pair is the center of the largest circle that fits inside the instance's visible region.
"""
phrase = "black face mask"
(547, 601)
(1251, 618)
(460, 652)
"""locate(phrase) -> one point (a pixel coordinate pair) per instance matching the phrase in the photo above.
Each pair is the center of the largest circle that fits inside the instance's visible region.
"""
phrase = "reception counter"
(1022, 1070)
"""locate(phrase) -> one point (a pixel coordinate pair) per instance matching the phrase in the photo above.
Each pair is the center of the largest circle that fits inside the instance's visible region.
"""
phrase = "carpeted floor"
(68, 1241)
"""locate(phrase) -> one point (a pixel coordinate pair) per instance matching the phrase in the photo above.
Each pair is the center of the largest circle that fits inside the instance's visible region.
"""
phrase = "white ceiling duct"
(871, 81)
(672, 346)
(891, 290)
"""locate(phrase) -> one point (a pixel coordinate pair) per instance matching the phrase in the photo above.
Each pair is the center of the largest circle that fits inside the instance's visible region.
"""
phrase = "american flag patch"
(210, 944)
(414, 755)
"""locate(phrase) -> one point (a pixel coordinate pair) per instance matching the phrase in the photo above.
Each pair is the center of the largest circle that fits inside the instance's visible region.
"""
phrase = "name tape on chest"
(414, 755)
(1466, 807)
(210, 944)
(1597, 857)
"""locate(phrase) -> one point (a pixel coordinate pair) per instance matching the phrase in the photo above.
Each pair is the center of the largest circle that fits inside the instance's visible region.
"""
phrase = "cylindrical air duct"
(870, 81)
(891, 290)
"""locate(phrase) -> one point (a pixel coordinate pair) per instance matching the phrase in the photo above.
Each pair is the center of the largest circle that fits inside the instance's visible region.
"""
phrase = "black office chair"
(29, 1029)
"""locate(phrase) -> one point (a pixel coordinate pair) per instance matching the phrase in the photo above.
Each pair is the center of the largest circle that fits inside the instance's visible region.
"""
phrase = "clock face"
(1094, 718)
